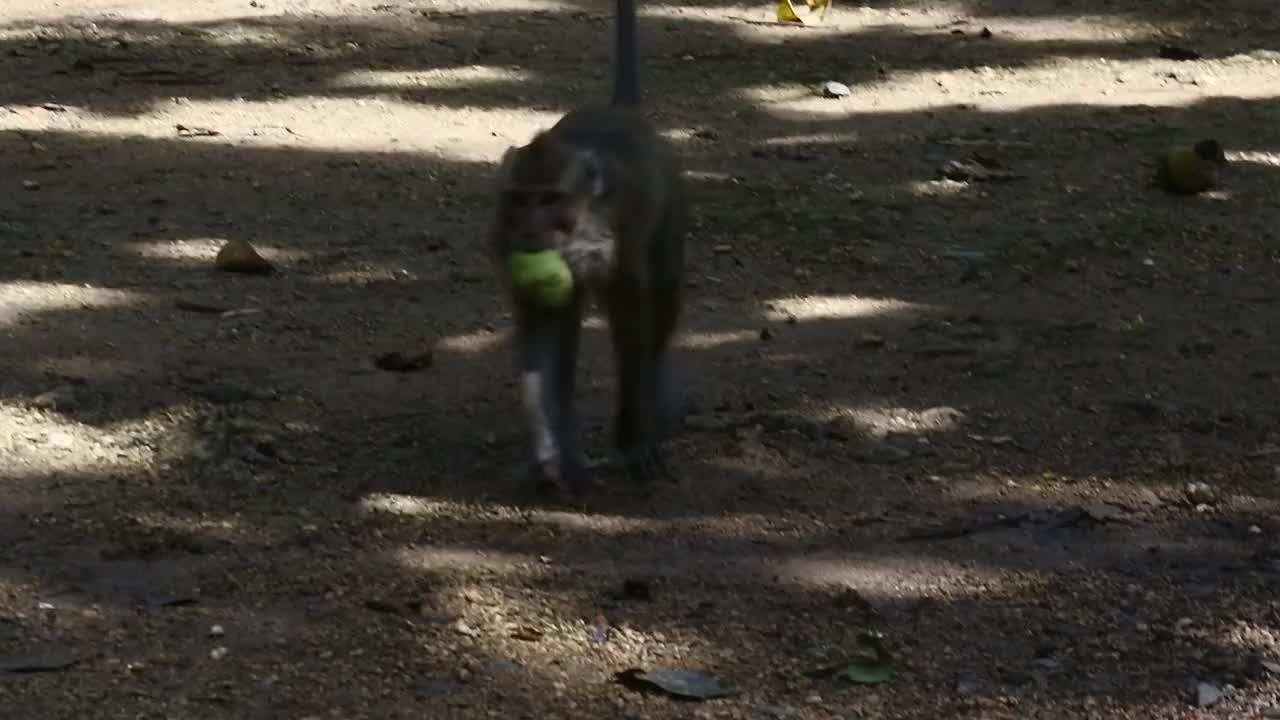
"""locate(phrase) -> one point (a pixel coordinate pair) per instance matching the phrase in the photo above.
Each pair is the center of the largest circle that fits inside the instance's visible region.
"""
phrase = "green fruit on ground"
(1190, 169)
(543, 277)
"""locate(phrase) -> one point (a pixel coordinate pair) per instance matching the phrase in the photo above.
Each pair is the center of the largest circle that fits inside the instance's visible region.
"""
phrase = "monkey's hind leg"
(639, 356)
(549, 352)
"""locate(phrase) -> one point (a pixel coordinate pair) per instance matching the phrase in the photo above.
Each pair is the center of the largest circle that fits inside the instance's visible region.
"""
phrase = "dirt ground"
(1025, 428)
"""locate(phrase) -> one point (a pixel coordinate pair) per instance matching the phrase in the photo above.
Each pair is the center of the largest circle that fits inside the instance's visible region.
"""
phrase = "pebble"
(870, 340)
(1199, 492)
(1148, 497)
(1207, 694)
(775, 712)
(835, 89)
(501, 667)
(885, 454)
(61, 398)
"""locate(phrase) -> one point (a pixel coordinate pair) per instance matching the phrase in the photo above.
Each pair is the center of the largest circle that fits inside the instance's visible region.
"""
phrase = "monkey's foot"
(565, 477)
(645, 465)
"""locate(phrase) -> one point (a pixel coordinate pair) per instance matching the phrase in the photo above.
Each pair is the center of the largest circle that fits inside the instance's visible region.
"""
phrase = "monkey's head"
(547, 194)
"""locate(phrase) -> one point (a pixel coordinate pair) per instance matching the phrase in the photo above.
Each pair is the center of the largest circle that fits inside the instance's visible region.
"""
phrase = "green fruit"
(1190, 169)
(543, 277)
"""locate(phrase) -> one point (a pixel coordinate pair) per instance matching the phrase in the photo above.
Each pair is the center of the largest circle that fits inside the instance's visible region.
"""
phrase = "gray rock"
(835, 89)
(1207, 694)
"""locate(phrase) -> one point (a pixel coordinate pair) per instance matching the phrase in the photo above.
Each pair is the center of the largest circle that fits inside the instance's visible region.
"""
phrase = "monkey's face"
(540, 218)
(547, 191)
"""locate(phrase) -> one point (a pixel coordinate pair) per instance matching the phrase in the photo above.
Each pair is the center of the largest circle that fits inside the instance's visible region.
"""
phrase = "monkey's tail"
(626, 55)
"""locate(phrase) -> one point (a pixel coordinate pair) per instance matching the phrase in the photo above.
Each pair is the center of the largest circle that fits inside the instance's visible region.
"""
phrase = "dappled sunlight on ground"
(882, 421)
(904, 577)
(212, 526)
(1266, 158)
(51, 461)
(200, 252)
(268, 125)
(473, 343)
(22, 12)
(28, 300)
(1007, 89)
(1022, 429)
(837, 307)
(473, 77)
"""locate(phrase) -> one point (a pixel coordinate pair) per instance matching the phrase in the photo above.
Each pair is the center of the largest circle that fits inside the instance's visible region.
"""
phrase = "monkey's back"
(641, 164)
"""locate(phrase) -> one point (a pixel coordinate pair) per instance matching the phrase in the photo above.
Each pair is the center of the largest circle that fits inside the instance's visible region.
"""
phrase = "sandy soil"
(1026, 429)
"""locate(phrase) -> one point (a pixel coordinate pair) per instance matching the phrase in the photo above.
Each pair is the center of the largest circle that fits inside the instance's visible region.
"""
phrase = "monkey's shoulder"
(609, 129)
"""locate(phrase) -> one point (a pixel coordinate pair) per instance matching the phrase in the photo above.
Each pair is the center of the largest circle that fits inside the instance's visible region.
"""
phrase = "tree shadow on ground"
(440, 59)
(261, 464)
(388, 614)
(369, 264)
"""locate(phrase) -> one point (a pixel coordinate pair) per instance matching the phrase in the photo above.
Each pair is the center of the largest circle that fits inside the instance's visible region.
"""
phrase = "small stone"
(1199, 492)
(217, 631)
(502, 667)
(835, 89)
(218, 653)
(1207, 695)
(885, 454)
(775, 712)
(61, 398)
(1148, 497)
(238, 256)
(30, 184)
(870, 340)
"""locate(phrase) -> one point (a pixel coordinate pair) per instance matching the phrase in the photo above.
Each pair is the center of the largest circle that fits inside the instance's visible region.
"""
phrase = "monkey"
(606, 190)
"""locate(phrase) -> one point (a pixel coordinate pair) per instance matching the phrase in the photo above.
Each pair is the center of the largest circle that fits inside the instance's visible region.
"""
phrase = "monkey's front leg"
(549, 352)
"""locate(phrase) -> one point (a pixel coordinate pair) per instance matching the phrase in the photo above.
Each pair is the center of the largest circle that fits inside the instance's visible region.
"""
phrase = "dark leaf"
(681, 684)
(399, 362)
(872, 670)
(171, 600)
(49, 661)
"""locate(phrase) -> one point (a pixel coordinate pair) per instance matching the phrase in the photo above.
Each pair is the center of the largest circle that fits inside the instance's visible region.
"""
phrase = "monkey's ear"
(506, 163)
(585, 173)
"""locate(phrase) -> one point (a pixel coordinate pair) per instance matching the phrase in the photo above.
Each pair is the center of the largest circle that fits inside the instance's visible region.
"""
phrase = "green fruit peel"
(544, 277)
